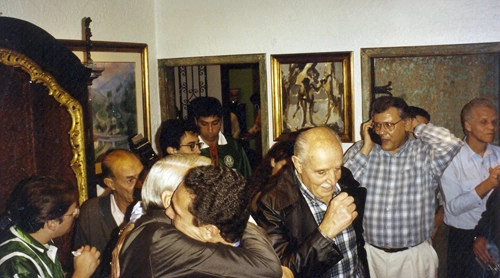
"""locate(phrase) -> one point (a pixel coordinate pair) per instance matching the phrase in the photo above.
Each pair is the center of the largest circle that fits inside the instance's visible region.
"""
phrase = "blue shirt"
(399, 209)
(463, 207)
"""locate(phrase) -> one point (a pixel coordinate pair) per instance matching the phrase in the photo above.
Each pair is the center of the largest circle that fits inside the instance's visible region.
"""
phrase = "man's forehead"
(209, 119)
(324, 158)
(128, 168)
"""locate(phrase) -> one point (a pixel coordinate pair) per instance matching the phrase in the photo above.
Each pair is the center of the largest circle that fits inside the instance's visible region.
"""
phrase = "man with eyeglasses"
(400, 175)
(40, 209)
(206, 113)
(179, 136)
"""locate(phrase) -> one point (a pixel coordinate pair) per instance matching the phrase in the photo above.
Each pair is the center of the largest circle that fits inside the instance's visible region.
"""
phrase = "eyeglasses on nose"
(387, 125)
(193, 146)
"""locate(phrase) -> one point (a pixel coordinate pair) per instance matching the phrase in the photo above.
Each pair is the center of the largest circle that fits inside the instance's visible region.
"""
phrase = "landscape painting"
(114, 106)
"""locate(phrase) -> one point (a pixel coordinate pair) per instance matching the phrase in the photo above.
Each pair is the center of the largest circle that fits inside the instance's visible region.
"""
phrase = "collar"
(221, 141)
(49, 248)
(469, 153)
(118, 215)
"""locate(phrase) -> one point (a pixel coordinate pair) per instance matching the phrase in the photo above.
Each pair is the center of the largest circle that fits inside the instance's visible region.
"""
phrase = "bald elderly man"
(101, 217)
(309, 216)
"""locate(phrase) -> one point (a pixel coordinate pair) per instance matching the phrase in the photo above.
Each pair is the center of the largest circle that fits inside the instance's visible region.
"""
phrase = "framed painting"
(119, 93)
(438, 78)
(312, 90)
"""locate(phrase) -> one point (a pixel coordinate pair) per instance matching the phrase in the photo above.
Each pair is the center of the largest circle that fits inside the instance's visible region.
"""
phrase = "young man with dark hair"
(41, 209)
(222, 150)
(179, 136)
(401, 175)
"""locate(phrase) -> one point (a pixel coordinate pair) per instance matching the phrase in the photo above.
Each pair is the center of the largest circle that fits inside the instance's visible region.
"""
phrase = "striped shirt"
(399, 209)
(22, 256)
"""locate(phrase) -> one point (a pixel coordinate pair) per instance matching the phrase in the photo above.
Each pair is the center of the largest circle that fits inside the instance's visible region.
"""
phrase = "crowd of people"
(308, 210)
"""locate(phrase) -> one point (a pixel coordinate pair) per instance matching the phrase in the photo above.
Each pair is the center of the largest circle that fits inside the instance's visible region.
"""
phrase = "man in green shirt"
(222, 150)
(41, 209)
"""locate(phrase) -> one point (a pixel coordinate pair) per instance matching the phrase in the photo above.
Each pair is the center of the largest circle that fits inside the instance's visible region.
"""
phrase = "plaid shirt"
(345, 240)
(399, 210)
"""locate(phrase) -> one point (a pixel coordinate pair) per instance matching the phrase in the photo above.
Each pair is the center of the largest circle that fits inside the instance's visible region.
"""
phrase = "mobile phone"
(374, 136)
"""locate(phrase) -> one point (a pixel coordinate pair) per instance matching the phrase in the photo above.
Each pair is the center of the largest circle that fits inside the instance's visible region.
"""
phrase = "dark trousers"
(461, 259)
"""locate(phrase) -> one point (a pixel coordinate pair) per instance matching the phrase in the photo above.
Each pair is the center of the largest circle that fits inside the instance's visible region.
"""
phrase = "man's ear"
(52, 224)
(109, 183)
(467, 126)
(210, 233)
(409, 124)
(297, 164)
(166, 196)
(273, 162)
(171, 150)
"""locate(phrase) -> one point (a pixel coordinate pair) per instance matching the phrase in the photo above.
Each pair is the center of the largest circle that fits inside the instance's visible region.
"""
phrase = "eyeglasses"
(193, 145)
(387, 125)
(75, 213)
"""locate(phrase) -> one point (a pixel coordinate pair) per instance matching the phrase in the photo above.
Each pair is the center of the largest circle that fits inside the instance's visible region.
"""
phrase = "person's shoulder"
(231, 142)
(94, 205)
(282, 190)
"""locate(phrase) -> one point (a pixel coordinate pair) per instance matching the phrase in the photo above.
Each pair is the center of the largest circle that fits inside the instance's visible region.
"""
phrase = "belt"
(391, 250)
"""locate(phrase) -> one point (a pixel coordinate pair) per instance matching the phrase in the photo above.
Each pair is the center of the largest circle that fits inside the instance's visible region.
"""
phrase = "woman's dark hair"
(262, 174)
(39, 199)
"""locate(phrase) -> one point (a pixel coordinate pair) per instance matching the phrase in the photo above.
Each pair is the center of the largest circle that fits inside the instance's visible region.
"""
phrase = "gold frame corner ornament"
(76, 133)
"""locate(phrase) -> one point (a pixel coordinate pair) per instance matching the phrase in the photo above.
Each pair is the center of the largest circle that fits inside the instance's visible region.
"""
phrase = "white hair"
(166, 174)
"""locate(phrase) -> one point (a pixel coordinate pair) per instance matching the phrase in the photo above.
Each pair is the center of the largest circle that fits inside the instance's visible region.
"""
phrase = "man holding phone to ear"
(400, 176)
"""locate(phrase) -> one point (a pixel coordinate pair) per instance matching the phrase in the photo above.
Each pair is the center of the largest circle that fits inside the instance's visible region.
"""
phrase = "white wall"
(219, 27)
(188, 28)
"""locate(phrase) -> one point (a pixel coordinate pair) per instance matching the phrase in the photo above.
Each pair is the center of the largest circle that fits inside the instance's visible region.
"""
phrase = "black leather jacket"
(283, 212)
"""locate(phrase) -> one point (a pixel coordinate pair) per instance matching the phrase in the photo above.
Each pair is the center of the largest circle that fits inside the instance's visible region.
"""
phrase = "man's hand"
(489, 183)
(481, 252)
(367, 140)
(86, 263)
(339, 215)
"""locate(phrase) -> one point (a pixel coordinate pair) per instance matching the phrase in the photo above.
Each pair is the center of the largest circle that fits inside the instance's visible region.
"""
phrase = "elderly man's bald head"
(113, 157)
(318, 160)
(121, 170)
(316, 138)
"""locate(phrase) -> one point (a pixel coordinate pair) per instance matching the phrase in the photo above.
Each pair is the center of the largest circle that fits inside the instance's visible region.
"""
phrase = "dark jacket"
(96, 227)
(155, 248)
(283, 212)
(489, 224)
